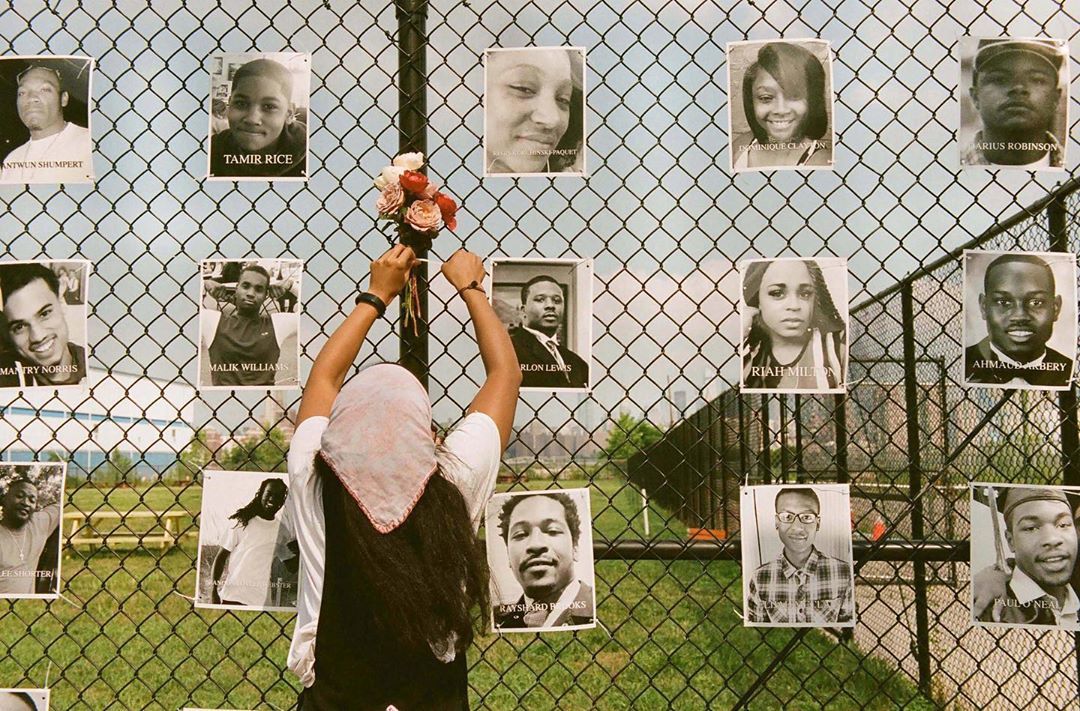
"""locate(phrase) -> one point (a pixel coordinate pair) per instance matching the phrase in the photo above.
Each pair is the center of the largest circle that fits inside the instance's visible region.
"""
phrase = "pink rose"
(424, 216)
(391, 199)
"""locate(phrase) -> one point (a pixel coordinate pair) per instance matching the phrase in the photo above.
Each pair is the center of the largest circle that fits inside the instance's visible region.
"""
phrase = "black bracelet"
(371, 300)
(474, 285)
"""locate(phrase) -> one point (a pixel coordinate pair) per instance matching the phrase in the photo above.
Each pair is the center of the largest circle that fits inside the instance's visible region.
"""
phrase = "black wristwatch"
(374, 301)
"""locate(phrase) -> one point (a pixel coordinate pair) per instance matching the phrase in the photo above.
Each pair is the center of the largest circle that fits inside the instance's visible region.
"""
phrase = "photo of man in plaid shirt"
(801, 585)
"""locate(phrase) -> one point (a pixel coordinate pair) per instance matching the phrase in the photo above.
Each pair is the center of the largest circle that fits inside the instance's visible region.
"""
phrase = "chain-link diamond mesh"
(665, 222)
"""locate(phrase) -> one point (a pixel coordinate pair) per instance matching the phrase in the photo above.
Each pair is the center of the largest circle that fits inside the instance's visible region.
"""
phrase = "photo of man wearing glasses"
(801, 585)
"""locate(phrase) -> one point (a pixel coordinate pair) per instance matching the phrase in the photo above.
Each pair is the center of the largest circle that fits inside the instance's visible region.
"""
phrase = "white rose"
(409, 161)
(390, 174)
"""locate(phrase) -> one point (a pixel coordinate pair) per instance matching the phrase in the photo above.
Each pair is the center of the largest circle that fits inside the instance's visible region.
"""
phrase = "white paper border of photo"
(835, 526)
(37, 696)
(498, 558)
(307, 126)
(736, 99)
(60, 526)
(1065, 322)
(582, 274)
(200, 348)
(963, 98)
(985, 556)
(584, 173)
(838, 291)
(215, 474)
(91, 178)
(88, 269)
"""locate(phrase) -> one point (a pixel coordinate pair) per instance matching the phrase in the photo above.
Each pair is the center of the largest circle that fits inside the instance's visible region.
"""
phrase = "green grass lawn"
(124, 637)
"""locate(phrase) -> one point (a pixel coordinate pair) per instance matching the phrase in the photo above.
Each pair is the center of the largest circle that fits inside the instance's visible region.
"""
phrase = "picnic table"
(152, 529)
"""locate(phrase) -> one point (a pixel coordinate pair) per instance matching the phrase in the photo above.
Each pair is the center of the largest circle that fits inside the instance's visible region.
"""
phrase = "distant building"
(146, 419)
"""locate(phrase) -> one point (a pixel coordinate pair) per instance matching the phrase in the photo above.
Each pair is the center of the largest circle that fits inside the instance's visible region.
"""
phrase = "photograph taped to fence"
(249, 321)
(44, 307)
(797, 556)
(248, 556)
(546, 305)
(1023, 556)
(534, 112)
(794, 318)
(259, 116)
(45, 109)
(32, 508)
(1014, 103)
(1019, 319)
(780, 108)
(539, 549)
(24, 700)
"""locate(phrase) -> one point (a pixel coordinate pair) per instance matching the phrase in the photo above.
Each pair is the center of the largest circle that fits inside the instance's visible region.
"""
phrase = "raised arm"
(498, 396)
(388, 276)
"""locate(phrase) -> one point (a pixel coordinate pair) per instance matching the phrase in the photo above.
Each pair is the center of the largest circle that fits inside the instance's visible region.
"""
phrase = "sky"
(661, 216)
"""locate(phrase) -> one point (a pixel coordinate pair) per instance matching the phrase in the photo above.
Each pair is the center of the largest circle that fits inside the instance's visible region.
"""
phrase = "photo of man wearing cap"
(1012, 110)
(1034, 539)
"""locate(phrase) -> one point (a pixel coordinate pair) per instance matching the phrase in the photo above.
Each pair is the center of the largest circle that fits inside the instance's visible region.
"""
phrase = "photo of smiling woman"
(534, 111)
(266, 99)
(539, 547)
(794, 315)
(780, 105)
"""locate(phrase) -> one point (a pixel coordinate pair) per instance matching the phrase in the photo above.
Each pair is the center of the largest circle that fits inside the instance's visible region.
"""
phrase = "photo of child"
(265, 132)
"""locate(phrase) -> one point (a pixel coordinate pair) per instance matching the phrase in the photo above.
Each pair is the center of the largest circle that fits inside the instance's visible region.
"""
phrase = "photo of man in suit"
(545, 362)
(1020, 306)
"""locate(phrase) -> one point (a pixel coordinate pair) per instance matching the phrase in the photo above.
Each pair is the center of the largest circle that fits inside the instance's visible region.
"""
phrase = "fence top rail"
(1066, 188)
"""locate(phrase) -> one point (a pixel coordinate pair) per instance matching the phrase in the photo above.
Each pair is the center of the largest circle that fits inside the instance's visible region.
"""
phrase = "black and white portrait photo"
(1019, 319)
(794, 317)
(797, 556)
(45, 109)
(249, 319)
(24, 700)
(44, 307)
(31, 508)
(259, 108)
(248, 556)
(534, 111)
(539, 548)
(1023, 556)
(1014, 103)
(546, 304)
(780, 99)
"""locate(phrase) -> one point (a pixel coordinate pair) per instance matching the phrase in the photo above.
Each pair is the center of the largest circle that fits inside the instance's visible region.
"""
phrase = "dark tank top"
(244, 351)
(355, 669)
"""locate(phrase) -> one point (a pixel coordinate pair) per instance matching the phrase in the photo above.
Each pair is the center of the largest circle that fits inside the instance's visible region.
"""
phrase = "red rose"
(414, 182)
(447, 206)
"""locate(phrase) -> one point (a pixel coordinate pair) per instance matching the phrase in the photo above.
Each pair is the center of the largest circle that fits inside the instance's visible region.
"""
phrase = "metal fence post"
(412, 136)
(1057, 222)
(911, 404)
(841, 432)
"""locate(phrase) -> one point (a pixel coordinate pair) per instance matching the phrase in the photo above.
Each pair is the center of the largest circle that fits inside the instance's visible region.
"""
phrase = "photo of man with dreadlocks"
(247, 548)
(794, 315)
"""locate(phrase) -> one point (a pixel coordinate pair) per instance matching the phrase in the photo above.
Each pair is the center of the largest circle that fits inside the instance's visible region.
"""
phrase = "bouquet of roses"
(418, 208)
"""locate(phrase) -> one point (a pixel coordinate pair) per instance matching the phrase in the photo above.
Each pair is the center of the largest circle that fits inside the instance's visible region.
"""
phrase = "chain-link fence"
(664, 221)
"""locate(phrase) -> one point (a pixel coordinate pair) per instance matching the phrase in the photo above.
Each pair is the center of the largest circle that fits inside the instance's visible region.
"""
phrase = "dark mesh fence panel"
(665, 222)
